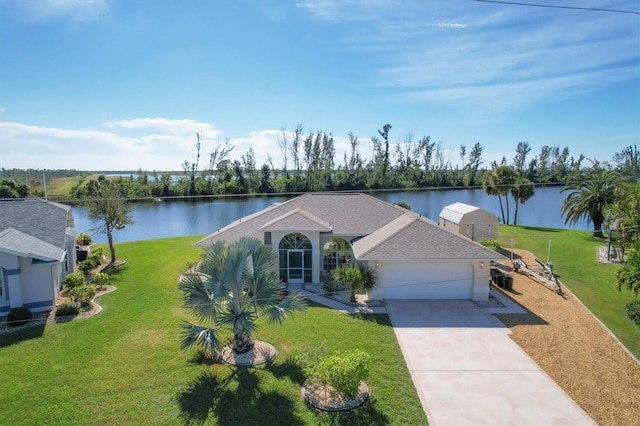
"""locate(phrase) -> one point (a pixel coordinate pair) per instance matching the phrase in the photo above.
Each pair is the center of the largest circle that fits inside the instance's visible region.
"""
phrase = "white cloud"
(496, 56)
(75, 10)
(450, 25)
(147, 143)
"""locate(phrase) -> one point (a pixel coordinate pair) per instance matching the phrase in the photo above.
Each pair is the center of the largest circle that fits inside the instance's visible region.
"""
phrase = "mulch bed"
(326, 398)
(576, 351)
(260, 353)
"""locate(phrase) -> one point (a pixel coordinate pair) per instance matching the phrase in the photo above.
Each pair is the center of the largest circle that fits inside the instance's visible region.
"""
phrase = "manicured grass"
(124, 366)
(573, 254)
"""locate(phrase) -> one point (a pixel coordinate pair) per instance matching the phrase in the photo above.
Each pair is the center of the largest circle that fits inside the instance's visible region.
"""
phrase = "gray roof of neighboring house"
(388, 231)
(21, 244)
(42, 220)
(456, 211)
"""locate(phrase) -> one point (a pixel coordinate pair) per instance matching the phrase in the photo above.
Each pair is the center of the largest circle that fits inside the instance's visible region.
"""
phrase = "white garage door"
(426, 280)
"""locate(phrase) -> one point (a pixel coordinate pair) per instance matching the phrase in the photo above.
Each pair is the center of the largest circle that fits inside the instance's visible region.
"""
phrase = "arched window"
(295, 251)
(335, 253)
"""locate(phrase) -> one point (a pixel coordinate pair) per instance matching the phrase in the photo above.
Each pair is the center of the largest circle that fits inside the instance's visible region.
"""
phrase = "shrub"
(86, 266)
(489, 243)
(83, 239)
(74, 279)
(101, 280)
(633, 311)
(82, 294)
(343, 371)
(329, 285)
(67, 309)
(19, 316)
(96, 257)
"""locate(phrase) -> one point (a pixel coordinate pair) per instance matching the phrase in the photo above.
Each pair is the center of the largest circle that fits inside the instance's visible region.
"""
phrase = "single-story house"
(413, 256)
(37, 251)
(470, 221)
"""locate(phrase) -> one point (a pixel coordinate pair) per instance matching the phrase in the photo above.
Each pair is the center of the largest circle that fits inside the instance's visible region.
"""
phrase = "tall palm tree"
(234, 286)
(499, 182)
(522, 190)
(590, 194)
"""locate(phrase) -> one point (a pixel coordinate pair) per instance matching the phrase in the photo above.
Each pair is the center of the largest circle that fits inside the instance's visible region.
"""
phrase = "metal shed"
(470, 221)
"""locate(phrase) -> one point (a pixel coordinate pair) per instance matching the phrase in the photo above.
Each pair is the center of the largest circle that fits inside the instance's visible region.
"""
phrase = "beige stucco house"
(470, 221)
(413, 256)
(37, 251)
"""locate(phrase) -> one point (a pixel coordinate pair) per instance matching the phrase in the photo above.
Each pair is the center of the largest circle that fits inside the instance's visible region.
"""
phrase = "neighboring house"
(413, 256)
(37, 251)
(470, 221)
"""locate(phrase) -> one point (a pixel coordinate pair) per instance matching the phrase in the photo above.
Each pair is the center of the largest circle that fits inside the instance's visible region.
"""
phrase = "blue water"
(183, 218)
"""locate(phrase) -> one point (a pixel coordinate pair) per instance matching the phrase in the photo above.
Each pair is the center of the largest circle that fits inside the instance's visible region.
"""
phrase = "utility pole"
(44, 181)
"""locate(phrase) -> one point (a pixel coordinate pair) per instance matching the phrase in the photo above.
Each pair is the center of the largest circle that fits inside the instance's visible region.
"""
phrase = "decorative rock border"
(326, 398)
(260, 353)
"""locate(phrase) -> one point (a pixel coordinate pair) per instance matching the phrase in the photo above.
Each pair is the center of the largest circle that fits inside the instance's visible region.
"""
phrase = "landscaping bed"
(576, 351)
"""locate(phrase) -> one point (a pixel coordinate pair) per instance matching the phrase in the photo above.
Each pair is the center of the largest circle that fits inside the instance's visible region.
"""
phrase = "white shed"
(470, 221)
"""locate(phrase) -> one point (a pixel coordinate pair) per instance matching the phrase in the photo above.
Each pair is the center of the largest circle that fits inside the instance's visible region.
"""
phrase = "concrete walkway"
(469, 372)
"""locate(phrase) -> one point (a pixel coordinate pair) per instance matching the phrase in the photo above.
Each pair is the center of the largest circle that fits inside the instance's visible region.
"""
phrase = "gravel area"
(575, 350)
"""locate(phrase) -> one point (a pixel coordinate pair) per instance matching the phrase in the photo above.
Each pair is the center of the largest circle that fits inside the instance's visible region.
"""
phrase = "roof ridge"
(394, 231)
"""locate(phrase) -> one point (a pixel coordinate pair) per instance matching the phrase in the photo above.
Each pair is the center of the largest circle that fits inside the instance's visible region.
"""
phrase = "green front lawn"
(573, 254)
(124, 366)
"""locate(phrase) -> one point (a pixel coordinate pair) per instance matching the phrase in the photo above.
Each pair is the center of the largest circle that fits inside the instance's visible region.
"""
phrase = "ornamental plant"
(101, 280)
(73, 280)
(82, 294)
(343, 371)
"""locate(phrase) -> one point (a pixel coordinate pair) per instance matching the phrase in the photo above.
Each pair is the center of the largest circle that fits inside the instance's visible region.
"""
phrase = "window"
(3, 291)
(298, 265)
(335, 253)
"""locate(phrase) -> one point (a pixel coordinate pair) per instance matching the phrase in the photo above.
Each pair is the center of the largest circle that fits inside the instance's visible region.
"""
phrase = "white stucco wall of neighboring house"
(39, 284)
(430, 280)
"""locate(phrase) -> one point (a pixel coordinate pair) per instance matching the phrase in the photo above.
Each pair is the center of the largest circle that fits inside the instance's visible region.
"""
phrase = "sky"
(124, 85)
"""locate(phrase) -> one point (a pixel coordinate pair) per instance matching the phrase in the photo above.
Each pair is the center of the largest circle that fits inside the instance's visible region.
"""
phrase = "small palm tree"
(589, 196)
(629, 275)
(234, 286)
(356, 277)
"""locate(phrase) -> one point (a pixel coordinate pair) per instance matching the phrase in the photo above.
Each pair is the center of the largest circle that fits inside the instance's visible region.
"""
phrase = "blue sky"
(122, 85)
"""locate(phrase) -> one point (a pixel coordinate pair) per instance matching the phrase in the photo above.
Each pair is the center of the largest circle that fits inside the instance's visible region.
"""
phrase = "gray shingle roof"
(388, 231)
(21, 244)
(43, 220)
(412, 237)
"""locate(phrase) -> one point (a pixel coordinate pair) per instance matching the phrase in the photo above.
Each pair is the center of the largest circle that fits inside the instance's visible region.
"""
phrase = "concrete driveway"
(469, 372)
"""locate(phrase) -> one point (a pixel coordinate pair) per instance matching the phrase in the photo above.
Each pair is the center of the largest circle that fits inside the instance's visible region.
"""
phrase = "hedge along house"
(470, 221)
(413, 256)
(37, 251)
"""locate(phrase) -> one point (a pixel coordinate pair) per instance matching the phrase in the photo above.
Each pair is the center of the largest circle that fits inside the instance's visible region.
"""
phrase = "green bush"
(83, 239)
(19, 316)
(329, 285)
(67, 309)
(489, 243)
(101, 280)
(633, 311)
(96, 257)
(343, 371)
(82, 294)
(85, 267)
(74, 279)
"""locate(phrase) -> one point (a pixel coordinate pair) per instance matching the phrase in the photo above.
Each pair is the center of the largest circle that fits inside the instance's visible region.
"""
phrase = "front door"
(295, 265)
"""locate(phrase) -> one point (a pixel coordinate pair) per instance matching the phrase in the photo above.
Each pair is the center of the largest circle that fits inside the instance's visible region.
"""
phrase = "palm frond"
(197, 335)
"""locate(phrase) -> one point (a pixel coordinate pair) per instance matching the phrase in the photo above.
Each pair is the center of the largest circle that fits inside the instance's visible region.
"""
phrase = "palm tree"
(234, 286)
(355, 277)
(499, 182)
(590, 194)
(624, 214)
(629, 275)
(522, 190)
